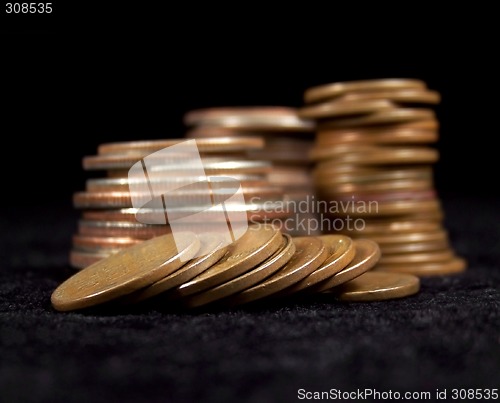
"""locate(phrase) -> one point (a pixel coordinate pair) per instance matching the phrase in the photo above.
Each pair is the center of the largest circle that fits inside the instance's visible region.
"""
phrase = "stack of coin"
(262, 263)
(109, 220)
(288, 140)
(373, 170)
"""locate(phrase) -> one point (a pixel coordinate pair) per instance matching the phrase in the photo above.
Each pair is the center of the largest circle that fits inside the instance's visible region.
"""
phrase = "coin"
(341, 253)
(255, 246)
(421, 173)
(336, 89)
(211, 251)
(249, 118)
(414, 247)
(121, 229)
(393, 226)
(382, 117)
(427, 257)
(310, 254)
(248, 279)
(377, 286)
(102, 243)
(124, 272)
(431, 236)
(366, 257)
(452, 266)
(386, 137)
(210, 145)
(412, 96)
(340, 108)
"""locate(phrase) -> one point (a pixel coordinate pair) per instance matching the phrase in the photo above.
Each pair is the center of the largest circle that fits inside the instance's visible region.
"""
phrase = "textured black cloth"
(446, 336)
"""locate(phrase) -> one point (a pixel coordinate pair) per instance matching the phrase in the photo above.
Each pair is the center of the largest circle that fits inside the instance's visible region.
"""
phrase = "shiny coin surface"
(341, 253)
(429, 257)
(207, 145)
(377, 286)
(333, 90)
(403, 96)
(367, 256)
(310, 254)
(124, 272)
(255, 246)
(248, 279)
(385, 116)
(452, 266)
(93, 243)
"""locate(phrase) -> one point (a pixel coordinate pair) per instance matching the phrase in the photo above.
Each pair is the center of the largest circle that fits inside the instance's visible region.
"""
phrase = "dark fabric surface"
(446, 336)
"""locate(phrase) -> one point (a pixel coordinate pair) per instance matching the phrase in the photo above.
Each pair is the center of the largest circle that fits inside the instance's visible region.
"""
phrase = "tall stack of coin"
(373, 170)
(109, 221)
(288, 140)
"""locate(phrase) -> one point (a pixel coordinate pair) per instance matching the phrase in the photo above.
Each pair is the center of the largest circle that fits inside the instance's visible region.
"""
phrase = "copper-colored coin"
(310, 254)
(210, 253)
(372, 155)
(367, 256)
(411, 96)
(414, 247)
(426, 257)
(387, 137)
(208, 145)
(393, 227)
(383, 117)
(124, 272)
(255, 246)
(341, 253)
(248, 279)
(389, 239)
(79, 259)
(250, 118)
(408, 188)
(426, 125)
(413, 173)
(340, 108)
(102, 243)
(121, 229)
(336, 89)
(122, 184)
(123, 199)
(393, 208)
(376, 286)
(452, 266)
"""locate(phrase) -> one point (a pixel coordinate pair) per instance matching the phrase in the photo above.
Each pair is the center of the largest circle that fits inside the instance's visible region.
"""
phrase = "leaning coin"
(255, 246)
(211, 251)
(247, 280)
(310, 254)
(376, 286)
(126, 271)
(341, 253)
(367, 256)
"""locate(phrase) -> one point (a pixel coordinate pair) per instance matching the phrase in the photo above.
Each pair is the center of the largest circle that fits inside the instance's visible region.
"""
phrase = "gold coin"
(310, 254)
(414, 247)
(452, 266)
(387, 116)
(426, 257)
(121, 229)
(211, 251)
(377, 286)
(255, 246)
(366, 257)
(340, 108)
(248, 279)
(419, 173)
(82, 242)
(387, 137)
(372, 155)
(250, 118)
(412, 96)
(382, 190)
(341, 253)
(333, 90)
(124, 272)
(389, 239)
(208, 145)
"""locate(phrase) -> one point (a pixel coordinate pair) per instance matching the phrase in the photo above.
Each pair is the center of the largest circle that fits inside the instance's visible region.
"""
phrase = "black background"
(80, 78)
